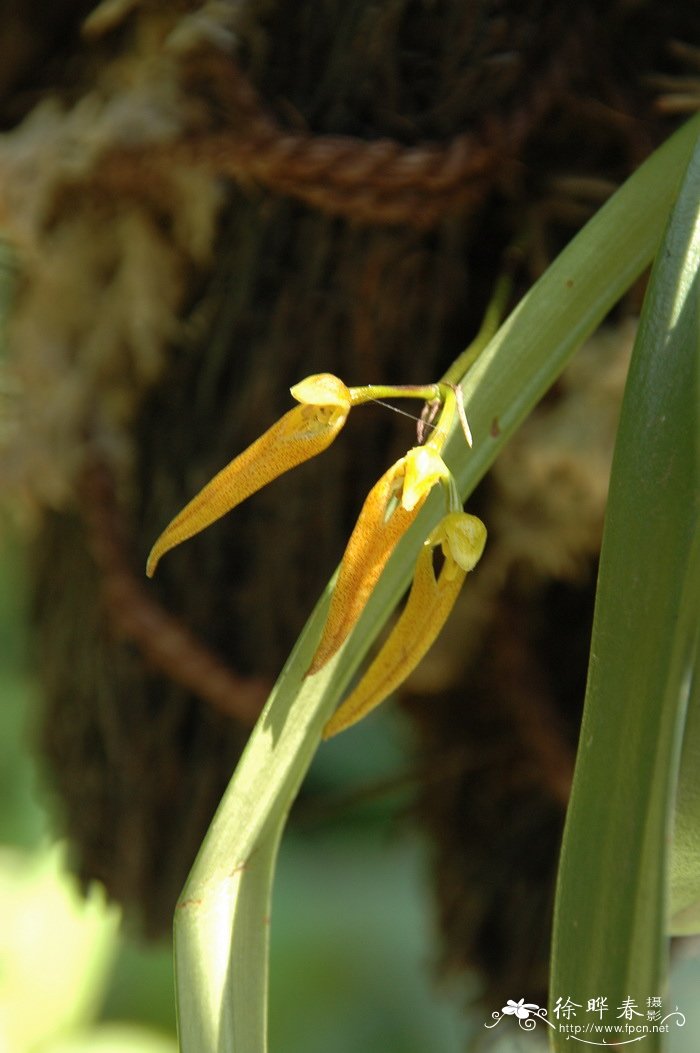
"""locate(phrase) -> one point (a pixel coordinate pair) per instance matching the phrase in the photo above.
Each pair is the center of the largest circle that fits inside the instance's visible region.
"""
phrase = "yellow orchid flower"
(300, 434)
(462, 538)
(389, 509)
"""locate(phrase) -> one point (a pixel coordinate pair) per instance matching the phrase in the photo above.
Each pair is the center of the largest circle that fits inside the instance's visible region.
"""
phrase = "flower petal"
(322, 389)
(427, 609)
(462, 537)
(302, 433)
(381, 524)
(424, 468)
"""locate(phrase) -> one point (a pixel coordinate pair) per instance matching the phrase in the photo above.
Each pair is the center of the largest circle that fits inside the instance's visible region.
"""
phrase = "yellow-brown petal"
(302, 433)
(429, 604)
(380, 525)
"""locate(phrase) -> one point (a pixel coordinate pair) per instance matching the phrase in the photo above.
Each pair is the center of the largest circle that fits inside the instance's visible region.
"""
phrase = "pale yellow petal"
(322, 389)
(462, 536)
(424, 468)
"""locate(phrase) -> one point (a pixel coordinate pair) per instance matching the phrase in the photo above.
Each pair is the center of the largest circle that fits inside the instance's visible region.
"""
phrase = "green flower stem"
(446, 419)
(446, 397)
(369, 392)
(494, 315)
(222, 920)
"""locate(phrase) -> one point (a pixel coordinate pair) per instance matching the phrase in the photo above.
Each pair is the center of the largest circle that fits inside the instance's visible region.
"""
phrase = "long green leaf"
(685, 854)
(222, 919)
(611, 910)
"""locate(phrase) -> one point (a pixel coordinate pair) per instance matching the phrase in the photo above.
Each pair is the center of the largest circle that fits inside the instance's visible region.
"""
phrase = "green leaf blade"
(611, 910)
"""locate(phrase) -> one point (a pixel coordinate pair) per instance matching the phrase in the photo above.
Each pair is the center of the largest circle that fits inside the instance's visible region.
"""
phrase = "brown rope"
(161, 638)
(378, 181)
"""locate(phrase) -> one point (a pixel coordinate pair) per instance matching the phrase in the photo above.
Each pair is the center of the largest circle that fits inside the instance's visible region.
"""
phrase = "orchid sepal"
(381, 524)
(302, 433)
(430, 601)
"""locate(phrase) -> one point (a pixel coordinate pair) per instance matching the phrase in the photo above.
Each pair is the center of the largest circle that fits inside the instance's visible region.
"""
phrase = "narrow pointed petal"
(429, 604)
(300, 434)
(377, 532)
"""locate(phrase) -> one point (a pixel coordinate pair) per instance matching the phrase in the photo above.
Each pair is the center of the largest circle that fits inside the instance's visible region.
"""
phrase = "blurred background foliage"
(353, 947)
